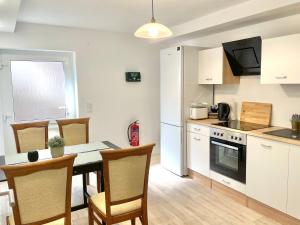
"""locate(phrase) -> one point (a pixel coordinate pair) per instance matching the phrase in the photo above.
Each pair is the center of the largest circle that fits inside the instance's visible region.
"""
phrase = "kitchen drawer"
(199, 129)
(240, 187)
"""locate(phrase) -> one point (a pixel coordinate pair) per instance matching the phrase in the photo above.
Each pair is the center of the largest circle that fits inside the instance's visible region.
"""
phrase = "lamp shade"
(153, 30)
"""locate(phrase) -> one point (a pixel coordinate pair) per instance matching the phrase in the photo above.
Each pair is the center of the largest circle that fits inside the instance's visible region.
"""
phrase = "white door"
(267, 172)
(6, 109)
(171, 86)
(171, 148)
(57, 98)
(198, 153)
(280, 64)
(293, 206)
(210, 66)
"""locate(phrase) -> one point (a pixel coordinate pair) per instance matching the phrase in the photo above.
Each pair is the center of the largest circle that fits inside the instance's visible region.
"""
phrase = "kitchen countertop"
(256, 133)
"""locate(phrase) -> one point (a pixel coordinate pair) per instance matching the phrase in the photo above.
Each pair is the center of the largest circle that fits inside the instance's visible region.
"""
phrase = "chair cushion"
(99, 201)
(61, 221)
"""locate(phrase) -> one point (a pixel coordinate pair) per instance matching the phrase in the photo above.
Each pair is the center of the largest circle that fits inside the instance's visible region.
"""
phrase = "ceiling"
(116, 15)
(8, 13)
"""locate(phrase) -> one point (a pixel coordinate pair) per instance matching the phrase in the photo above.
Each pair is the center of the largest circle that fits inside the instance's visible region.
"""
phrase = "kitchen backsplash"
(284, 98)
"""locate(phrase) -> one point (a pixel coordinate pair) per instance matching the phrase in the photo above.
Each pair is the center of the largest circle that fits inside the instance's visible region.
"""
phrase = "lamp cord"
(152, 20)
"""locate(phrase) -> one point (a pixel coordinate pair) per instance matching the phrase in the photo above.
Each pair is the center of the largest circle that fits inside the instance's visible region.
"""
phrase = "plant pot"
(57, 152)
(295, 125)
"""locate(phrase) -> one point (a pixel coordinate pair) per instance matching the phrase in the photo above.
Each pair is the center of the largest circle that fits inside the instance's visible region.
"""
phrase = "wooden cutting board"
(256, 112)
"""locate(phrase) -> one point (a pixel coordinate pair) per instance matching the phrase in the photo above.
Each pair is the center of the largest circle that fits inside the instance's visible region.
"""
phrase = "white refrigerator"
(178, 89)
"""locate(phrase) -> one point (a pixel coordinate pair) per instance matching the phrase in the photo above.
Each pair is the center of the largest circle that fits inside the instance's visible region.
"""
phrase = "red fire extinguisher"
(133, 133)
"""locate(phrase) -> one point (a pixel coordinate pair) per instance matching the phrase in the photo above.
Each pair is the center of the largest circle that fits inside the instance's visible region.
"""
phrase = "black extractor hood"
(244, 56)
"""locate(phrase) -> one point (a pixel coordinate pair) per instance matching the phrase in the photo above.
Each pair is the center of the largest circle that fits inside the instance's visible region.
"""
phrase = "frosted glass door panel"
(38, 90)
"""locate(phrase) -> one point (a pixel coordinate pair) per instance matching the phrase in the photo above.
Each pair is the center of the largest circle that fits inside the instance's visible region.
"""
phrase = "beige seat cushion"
(61, 221)
(99, 202)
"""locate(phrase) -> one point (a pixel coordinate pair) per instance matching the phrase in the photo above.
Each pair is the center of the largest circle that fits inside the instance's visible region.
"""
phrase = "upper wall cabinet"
(214, 68)
(280, 60)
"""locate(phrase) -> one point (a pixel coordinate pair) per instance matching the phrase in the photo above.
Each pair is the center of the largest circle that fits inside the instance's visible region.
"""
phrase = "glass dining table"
(88, 160)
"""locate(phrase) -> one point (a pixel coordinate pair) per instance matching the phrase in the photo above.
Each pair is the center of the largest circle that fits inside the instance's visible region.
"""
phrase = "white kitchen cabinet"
(293, 204)
(199, 129)
(214, 67)
(267, 172)
(280, 60)
(198, 153)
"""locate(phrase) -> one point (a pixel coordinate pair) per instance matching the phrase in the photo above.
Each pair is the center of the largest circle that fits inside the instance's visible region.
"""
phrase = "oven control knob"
(218, 134)
(215, 133)
(231, 137)
(235, 138)
(221, 135)
(240, 139)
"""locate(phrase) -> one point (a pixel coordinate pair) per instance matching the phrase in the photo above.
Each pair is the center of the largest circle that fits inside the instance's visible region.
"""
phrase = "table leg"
(99, 181)
(84, 189)
(102, 178)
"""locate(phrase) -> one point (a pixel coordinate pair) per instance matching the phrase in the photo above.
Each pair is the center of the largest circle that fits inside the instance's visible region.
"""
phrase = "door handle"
(226, 182)
(281, 77)
(266, 146)
(6, 118)
(208, 79)
(196, 139)
(197, 129)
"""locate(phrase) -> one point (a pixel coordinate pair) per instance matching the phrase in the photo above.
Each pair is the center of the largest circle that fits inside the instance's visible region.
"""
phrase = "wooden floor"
(176, 201)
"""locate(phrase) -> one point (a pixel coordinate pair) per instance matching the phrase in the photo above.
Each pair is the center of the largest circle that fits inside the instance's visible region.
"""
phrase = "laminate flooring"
(173, 201)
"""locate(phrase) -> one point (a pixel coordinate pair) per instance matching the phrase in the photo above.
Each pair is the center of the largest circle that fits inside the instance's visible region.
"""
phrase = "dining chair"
(41, 191)
(74, 132)
(31, 136)
(126, 173)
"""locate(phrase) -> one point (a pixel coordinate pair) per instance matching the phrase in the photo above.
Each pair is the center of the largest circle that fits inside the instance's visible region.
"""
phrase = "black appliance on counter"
(244, 56)
(223, 111)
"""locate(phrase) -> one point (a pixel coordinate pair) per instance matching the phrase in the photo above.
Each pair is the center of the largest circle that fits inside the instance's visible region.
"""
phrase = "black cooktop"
(241, 125)
(285, 133)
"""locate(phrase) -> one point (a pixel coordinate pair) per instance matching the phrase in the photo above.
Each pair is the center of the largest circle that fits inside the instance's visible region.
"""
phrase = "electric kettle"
(223, 111)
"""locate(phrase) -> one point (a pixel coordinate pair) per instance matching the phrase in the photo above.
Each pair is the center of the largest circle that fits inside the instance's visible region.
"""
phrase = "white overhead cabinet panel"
(293, 204)
(267, 172)
(211, 66)
(280, 60)
(214, 68)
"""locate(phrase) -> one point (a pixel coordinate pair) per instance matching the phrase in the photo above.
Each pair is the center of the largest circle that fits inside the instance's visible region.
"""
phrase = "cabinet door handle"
(266, 146)
(226, 182)
(281, 77)
(208, 79)
(196, 139)
(197, 129)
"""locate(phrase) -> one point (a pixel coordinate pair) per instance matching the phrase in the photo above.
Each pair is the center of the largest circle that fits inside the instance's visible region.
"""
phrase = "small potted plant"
(295, 120)
(56, 145)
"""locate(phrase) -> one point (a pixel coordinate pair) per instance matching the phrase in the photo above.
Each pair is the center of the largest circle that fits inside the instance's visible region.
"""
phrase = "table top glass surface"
(86, 153)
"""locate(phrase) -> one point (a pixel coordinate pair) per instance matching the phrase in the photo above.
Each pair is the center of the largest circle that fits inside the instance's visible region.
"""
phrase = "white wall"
(102, 60)
(284, 98)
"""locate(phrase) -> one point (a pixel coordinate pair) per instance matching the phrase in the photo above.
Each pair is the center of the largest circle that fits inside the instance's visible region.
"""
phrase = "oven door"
(228, 158)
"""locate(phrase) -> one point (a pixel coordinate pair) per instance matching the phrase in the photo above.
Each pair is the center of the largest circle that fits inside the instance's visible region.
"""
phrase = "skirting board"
(200, 178)
(245, 200)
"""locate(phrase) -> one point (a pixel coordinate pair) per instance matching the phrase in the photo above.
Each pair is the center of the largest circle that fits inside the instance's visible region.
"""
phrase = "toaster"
(198, 112)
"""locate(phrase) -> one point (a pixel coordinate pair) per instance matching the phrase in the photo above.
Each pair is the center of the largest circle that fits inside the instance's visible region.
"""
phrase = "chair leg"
(91, 216)
(68, 220)
(145, 217)
(87, 179)
(133, 221)
(98, 173)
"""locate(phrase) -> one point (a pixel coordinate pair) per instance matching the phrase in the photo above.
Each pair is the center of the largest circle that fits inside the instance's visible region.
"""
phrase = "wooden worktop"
(256, 133)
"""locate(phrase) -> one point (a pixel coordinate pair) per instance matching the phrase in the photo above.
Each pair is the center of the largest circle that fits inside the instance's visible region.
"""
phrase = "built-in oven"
(228, 153)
